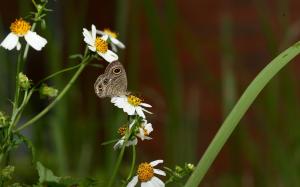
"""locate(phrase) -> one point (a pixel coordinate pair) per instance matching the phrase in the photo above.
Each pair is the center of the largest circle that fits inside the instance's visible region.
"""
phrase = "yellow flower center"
(145, 172)
(145, 132)
(101, 45)
(133, 100)
(122, 131)
(110, 33)
(20, 27)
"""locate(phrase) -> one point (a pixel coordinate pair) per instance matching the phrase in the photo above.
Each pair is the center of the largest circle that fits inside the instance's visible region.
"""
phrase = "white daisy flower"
(99, 44)
(130, 104)
(113, 38)
(144, 131)
(145, 174)
(21, 28)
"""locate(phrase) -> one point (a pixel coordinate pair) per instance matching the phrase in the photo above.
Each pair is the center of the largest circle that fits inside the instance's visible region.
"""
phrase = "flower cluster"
(138, 127)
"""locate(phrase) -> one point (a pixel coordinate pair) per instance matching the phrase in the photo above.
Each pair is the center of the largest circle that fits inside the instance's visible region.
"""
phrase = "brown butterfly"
(113, 82)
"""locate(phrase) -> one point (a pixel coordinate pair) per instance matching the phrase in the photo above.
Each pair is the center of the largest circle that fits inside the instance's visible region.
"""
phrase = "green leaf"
(239, 110)
(46, 175)
(109, 142)
(75, 56)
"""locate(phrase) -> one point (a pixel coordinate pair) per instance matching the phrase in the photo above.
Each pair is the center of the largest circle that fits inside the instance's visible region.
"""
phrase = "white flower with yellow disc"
(144, 130)
(131, 104)
(145, 174)
(21, 28)
(99, 44)
(113, 38)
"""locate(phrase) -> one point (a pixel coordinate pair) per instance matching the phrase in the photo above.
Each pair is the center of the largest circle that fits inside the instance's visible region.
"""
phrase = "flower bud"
(24, 82)
(3, 119)
(47, 91)
(178, 169)
(190, 166)
(7, 172)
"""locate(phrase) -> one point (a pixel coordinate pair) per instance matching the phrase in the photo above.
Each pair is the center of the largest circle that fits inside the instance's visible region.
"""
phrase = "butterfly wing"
(113, 82)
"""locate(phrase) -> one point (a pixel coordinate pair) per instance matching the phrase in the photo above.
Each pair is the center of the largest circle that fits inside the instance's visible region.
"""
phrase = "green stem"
(17, 91)
(119, 160)
(17, 113)
(1, 158)
(132, 162)
(56, 73)
(58, 98)
(238, 112)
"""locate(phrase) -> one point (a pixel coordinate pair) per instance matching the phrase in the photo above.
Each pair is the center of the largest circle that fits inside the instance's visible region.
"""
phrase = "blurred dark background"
(191, 60)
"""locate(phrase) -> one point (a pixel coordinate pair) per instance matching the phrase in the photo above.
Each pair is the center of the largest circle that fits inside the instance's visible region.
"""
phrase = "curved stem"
(56, 73)
(17, 91)
(119, 160)
(132, 162)
(238, 112)
(58, 98)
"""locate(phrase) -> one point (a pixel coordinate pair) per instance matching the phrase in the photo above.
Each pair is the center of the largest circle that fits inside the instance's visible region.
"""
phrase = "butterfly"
(113, 82)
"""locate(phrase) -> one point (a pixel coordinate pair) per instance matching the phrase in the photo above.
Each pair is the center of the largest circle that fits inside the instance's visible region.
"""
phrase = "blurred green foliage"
(264, 150)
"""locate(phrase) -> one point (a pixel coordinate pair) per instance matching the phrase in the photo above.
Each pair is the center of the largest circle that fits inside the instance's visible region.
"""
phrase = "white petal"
(140, 112)
(118, 144)
(131, 142)
(88, 37)
(148, 127)
(35, 41)
(19, 46)
(121, 103)
(10, 41)
(147, 184)
(117, 42)
(147, 111)
(130, 110)
(145, 105)
(109, 56)
(92, 48)
(94, 32)
(158, 182)
(116, 99)
(155, 162)
(113, 99)
(100, 32)
(133, 182)
(114, 47)
(141, 134)
(147, 138)
(104, 37)
(159, 172)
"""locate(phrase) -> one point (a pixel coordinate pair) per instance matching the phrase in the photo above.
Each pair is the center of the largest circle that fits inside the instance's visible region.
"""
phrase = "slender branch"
(119, 160)
(132, 162)
(17, 91)
(56, 73)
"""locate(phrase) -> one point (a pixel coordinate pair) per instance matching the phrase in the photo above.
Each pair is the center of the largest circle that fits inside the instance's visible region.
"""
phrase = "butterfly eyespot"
(117, 70)
(105, 81)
